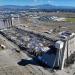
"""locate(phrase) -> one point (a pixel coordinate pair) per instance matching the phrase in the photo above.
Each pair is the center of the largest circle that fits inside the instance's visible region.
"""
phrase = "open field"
(70, 19)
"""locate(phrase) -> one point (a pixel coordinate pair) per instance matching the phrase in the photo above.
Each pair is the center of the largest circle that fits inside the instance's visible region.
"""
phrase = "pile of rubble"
(27, 41)
(37, 45)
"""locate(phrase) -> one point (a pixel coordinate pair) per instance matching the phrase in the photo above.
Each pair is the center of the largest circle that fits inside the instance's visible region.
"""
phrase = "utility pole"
(67, 50)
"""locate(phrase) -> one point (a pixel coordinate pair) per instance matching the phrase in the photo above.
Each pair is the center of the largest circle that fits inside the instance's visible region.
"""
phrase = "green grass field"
(70, 19)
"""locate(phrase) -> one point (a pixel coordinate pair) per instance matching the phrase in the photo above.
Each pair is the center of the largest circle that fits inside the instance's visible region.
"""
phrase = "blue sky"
(38, 2)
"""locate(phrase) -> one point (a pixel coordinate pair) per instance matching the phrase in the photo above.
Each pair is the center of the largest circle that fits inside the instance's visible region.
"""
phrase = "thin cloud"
(35, 0)
(49, 1)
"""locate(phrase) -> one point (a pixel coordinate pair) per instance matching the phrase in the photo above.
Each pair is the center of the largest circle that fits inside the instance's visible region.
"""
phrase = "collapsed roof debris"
(27, 41)
(37, 45)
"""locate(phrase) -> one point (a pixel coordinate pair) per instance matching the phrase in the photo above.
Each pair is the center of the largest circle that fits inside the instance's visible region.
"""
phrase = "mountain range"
(45, 6)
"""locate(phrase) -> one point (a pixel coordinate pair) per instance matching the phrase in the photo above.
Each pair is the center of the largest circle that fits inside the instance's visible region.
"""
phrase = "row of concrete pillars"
(7, 22)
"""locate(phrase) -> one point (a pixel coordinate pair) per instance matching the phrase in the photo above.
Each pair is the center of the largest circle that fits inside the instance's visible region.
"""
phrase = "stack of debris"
(37, 45)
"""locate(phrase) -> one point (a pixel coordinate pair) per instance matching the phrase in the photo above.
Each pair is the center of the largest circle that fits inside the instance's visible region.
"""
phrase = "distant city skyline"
(38, 2)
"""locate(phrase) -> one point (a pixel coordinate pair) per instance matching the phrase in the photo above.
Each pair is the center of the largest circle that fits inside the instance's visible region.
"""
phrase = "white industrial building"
(55, 18)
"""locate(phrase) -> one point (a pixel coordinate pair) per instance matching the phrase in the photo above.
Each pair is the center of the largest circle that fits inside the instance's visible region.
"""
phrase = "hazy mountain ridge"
(38, 7)
(45, 6)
